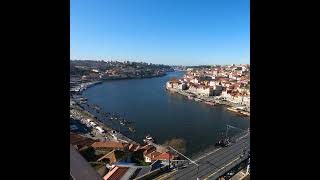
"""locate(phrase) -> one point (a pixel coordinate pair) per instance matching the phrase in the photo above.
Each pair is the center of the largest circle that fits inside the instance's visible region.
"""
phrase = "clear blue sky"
(181, 32)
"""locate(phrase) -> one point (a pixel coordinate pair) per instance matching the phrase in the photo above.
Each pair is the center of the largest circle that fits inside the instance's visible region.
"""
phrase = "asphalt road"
(80, 169)
(214, 164)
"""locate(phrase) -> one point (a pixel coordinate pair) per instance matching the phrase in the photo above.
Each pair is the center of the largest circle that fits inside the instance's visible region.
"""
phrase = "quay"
(238, 110)
(211, 101)
(78, 88)
(99, 128)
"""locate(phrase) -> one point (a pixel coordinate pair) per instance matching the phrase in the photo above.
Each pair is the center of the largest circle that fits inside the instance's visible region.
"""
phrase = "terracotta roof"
(153, 154)
(109, 144)
(149, 150)
(164, 156)
(76, 139)
(134, 147)
(116, 173)
(145, 147)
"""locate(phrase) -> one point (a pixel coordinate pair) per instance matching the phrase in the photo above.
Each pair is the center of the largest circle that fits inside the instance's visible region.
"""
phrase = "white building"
(212, 83)
(201, 90)
(246, 101)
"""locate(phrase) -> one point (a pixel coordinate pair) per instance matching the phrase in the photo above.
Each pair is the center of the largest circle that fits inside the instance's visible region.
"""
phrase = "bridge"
(216, 163)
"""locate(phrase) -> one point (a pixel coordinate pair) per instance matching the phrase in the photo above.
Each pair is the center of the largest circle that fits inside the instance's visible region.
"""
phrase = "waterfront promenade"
(211, 99)
(82, 115)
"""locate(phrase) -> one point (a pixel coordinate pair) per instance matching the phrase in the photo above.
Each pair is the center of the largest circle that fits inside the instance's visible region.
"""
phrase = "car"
(182, 167)
(230, 173)
(223, 143)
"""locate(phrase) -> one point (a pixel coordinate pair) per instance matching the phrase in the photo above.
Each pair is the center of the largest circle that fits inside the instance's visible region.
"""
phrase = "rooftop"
(109, 144)
(116, 173)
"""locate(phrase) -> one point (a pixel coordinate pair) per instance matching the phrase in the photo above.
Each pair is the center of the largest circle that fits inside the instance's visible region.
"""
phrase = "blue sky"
(180, 32)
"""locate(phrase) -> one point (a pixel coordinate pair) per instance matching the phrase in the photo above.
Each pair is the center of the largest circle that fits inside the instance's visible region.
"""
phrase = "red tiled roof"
(134, 147)
(76, 139)
(164, 156)
(153, 154)
(149, 150)
(116, 173)
(145, 147)
(109, 144)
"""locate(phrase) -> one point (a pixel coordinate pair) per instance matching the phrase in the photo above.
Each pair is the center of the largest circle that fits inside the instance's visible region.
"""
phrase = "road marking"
(223, 167)
(242, 136)
(159, 178)
(207, 154)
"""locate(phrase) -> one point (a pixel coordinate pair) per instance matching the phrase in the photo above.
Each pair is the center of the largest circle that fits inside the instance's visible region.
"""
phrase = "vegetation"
(96, 165)
(77, 71)
(137, 157)
(90, 154)
(142, 163)
(177, 143)
(105, 65)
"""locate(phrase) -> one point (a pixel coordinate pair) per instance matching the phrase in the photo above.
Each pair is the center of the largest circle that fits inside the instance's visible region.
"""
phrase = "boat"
(95, 107)
(122, 123)
(148, 138)
(131, 129)
(197, 99)
(245, 113)
(209, 103)
(233, 110)
(190, 97)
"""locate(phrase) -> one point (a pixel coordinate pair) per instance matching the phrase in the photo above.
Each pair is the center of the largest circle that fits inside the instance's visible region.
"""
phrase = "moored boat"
(131, 129)
(148, 138)
(209, 103)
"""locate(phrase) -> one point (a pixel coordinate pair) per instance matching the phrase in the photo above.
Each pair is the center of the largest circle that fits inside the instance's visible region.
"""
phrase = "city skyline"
(161, 32)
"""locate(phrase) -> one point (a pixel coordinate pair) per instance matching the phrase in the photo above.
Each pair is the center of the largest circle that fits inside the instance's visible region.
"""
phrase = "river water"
(162, 114)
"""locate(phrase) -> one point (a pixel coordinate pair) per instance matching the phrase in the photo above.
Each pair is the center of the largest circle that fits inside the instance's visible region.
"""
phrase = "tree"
(178, 144)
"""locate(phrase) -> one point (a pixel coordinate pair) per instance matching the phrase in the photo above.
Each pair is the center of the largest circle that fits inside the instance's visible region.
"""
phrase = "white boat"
(210, 103)
(148, 138)
(197, 99)
(189, 97)
(122, 123)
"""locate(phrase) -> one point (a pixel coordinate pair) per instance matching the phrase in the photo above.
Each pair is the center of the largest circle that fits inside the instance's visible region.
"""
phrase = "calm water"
(162, 114)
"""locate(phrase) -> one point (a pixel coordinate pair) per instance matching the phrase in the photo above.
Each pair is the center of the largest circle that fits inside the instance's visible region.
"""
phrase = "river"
(164, 115)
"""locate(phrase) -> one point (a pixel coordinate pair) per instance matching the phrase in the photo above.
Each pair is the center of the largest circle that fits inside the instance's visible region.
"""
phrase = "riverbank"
(78, 88)
(154, 111)
(212, 100)
(92, 122)
(132, 77)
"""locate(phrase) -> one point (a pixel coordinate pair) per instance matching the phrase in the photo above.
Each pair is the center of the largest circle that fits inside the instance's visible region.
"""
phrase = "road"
(80, 169)
(214, 164)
